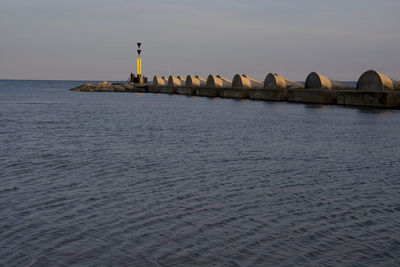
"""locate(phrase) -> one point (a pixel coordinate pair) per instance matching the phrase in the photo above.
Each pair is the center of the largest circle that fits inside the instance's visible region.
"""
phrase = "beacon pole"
(139, 78)
(139, 61)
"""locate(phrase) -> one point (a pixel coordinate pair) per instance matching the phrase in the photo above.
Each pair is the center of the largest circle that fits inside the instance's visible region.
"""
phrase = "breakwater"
(373, 89)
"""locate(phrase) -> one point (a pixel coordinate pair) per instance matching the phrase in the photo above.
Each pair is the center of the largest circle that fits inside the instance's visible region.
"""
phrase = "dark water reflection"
(151, 179)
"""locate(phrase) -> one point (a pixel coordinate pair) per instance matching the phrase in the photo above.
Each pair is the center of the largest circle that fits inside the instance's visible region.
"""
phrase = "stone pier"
(374, 89)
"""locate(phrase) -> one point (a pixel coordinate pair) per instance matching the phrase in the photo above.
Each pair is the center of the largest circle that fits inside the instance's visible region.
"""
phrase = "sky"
(96, 39)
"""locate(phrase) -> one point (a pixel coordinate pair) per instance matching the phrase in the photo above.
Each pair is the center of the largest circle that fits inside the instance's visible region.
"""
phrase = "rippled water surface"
(123, 179)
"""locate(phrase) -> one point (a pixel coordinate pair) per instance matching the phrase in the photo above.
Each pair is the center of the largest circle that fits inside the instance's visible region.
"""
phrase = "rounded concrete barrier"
(275, 81)
(183, 80)
(255, 83)
(175, 82)
(195, 81)
(202, 80)
(374, 81)
(158, 81)
(244, 81)
(216, 81)
(317, 81)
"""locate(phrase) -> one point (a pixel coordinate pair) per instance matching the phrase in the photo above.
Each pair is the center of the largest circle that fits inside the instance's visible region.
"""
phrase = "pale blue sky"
(96, 39)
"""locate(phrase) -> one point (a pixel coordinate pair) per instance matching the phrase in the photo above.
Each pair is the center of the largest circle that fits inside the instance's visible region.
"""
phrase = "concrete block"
(269, 94)
(175, 81)
(244, 81)
(195, 81)
(317, 81)
(235, 92)
(168, 90)
(386, 99)
(154, 89)
(209, 92)
(313, 96)
(158, 81)
(374, 81)
(183, 80)
(185, 90)
(203, 81)
(218, 82)
(275, 81)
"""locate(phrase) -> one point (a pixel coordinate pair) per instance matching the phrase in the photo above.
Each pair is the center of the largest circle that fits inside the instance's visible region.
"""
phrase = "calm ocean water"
(123, 179)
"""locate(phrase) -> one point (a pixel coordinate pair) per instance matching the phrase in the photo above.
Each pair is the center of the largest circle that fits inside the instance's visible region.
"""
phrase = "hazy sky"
(96, 39)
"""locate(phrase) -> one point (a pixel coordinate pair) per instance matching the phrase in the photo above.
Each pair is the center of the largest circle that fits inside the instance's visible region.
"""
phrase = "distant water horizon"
(56, 80)
(120, 81)
(133, 179)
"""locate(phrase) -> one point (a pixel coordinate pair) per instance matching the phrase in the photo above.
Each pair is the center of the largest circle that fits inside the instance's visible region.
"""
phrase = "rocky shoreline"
(112, 87)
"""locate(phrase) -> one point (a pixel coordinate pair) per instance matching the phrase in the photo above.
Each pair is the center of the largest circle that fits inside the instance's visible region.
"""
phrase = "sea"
(136, 179)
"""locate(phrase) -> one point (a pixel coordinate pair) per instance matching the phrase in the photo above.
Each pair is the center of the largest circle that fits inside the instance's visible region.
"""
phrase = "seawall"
(379, 99)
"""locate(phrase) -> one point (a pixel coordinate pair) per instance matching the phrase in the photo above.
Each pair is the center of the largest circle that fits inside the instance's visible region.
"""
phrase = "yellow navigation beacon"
(139, 78)
(139, 60)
